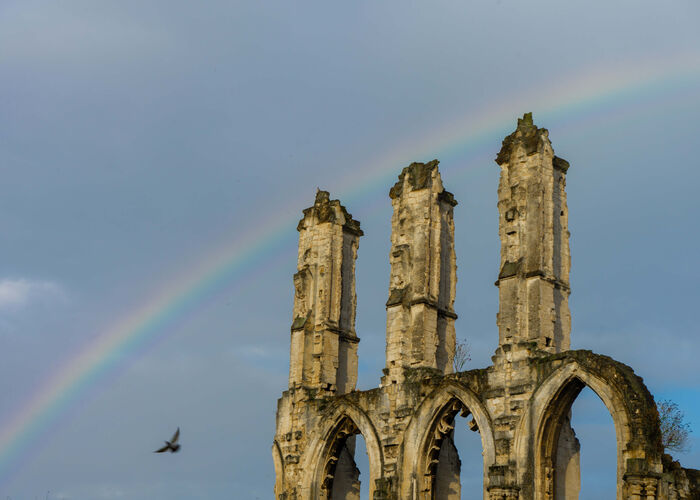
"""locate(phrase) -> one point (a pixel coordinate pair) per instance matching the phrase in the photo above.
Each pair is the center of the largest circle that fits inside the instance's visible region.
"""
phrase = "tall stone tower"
(533, 226)
(324, 342)
(420, 330)
(520, 405)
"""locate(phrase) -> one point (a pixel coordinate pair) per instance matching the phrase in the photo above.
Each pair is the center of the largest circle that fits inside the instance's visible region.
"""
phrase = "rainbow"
(573, 101)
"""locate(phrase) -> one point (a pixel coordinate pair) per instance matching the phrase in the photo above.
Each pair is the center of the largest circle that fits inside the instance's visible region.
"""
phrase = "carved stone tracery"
(443, 429)
(345, 429)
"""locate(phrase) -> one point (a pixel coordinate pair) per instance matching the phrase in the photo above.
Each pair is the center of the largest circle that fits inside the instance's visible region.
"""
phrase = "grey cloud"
(19, 293)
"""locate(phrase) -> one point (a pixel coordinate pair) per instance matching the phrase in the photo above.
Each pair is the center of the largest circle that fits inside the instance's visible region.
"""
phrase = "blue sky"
(139, 138)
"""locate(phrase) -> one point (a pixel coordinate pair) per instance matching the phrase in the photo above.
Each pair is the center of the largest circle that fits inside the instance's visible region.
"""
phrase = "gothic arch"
(425, 427)
(339, 421)
(279, 468)
(624, 395)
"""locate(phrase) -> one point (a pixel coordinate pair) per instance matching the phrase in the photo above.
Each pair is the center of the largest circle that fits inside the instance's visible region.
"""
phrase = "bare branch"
(462, 355)
(674, 428)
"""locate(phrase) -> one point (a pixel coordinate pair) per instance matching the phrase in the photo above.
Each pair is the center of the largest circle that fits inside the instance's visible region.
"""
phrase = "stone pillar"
(650, 484)
(635, 489)
(324, 343)
(447, 475)
(502, 484)
(642, 487)
(346, 480)
(567, 471)
(533, 226)
(420, 314)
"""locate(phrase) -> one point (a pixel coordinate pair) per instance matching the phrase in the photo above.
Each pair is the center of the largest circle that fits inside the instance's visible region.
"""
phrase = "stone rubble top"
(325, 211)
(419, 176)
(527, 135)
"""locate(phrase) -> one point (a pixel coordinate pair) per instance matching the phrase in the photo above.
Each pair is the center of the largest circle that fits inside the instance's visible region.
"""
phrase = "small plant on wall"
(462, 355)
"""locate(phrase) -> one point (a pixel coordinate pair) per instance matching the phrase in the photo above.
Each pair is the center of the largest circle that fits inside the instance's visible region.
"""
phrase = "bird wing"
(164, 448)
(176, 436)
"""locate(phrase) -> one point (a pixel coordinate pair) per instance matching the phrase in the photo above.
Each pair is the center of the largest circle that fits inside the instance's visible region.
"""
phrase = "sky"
(156, 157)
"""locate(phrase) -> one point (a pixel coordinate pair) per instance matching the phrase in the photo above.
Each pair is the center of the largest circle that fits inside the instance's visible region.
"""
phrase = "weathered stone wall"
(324, 342)
(520, 405)
(420, 316)
(533, 226)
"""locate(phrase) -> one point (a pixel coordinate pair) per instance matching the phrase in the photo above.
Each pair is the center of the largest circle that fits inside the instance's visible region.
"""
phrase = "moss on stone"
(510, 269)
(447, 197)
(397, 296)
(418, 175)
(560, 164)
(527, 135)
(324, 211)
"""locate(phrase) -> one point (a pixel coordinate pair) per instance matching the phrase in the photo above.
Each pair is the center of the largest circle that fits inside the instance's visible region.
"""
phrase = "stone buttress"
(323, 353)
(420, 330)
(533, 281)
(324, 342)
(520, 405)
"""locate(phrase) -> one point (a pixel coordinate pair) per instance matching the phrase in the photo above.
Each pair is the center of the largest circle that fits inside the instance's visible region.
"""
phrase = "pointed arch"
(340, 420)
(279, 468)
(429, 423)
(628, 401)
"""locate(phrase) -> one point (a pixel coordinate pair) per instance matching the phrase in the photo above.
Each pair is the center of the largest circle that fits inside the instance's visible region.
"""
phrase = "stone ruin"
(520, 405)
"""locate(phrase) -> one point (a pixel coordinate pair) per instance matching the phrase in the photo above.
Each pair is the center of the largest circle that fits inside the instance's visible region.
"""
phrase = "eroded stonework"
(520, 405)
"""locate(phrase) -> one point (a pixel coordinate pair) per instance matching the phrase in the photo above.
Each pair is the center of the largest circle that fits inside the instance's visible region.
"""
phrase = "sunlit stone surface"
(520, 406)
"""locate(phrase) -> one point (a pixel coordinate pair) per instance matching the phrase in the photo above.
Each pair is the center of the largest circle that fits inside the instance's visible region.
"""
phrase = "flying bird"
(171, 445)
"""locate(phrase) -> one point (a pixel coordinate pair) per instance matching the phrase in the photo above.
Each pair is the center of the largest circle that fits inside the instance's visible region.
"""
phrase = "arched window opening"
(455, 461)
(595, 432)
(468, 443)
(578, 453)
(342, 476)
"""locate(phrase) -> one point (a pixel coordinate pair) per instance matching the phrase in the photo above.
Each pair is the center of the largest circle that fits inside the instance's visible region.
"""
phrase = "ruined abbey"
(520, 405)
